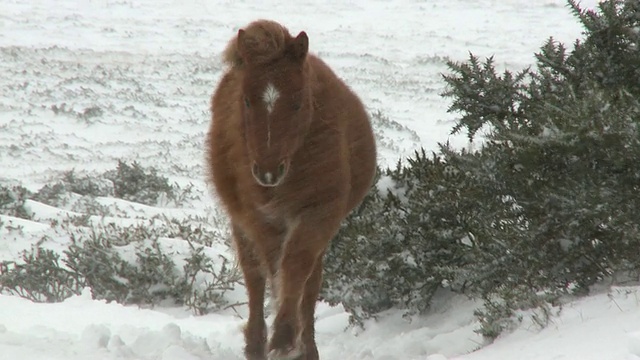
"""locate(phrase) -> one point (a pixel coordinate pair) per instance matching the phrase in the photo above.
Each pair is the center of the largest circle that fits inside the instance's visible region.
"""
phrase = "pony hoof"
(285, 354)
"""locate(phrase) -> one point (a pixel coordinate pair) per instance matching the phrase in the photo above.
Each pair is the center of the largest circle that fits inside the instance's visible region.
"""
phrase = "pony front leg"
(307, 308)
(255, 331)
(303, 250)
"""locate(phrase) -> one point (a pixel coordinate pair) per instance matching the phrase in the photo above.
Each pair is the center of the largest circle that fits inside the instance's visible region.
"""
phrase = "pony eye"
(297, 106)
(246, 102)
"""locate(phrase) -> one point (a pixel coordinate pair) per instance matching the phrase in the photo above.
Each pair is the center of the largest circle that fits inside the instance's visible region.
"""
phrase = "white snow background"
(150, 67)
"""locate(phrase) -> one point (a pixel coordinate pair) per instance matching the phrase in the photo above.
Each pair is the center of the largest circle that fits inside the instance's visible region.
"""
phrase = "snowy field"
(86, 83)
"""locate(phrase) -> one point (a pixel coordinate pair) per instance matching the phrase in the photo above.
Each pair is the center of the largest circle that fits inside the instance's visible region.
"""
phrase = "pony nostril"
(281, 169)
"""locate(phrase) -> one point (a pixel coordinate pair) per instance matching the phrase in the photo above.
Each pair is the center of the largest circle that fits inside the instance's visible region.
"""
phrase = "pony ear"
(241, 44)
(300, 46)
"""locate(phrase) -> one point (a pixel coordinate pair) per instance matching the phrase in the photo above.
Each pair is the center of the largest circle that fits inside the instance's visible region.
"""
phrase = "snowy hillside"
(87, 83)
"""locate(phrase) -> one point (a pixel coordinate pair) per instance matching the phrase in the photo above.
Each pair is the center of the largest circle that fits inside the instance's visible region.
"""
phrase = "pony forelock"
(264, 40)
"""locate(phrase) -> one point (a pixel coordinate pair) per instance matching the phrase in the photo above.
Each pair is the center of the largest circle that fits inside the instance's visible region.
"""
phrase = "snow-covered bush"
(39, 275)
(151, 276)
(163, 259)
(138, 184)
(131, 182)
(547, 207)
(128, 265)
(12, 201)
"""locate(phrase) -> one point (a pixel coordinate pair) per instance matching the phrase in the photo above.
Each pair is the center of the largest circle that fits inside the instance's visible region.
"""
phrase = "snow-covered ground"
(85, 83)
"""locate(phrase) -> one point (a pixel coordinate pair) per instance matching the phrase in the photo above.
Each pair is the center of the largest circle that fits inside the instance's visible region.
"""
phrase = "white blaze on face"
(270, 96)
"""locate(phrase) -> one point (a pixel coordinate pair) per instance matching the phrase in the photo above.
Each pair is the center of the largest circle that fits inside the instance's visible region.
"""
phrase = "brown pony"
(290, 153)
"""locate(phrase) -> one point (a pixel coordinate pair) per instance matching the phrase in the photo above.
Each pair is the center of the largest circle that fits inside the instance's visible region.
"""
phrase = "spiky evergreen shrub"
(563, 143)
(411, 235)
(548, 206)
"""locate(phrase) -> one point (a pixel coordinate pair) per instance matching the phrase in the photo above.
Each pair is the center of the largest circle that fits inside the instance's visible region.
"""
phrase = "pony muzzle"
(269, 177)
